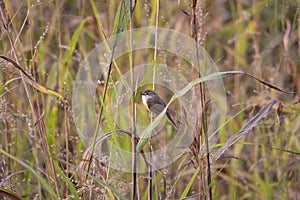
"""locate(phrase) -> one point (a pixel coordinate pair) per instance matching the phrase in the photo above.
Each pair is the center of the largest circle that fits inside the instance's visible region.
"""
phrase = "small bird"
(155, 104)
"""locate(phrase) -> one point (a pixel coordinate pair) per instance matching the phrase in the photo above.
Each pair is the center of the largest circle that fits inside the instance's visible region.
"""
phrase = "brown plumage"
(155, 104)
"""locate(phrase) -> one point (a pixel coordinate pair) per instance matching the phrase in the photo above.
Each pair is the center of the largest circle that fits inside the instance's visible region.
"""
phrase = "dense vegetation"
(41, 153)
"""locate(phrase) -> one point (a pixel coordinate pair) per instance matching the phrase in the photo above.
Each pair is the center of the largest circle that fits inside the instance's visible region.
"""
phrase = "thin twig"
(203, 128)
(133, 138)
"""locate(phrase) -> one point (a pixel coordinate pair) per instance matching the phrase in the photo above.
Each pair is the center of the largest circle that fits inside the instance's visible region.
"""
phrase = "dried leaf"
(263, 112)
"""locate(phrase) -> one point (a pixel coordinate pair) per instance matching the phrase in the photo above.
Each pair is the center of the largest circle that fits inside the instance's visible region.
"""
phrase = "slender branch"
(133, 138)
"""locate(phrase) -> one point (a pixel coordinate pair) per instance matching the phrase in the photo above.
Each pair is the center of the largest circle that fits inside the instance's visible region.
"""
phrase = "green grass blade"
(73, 43)
(189, 185)
(9, 194)
(122, 17)
(115, 192)
(63, 176)
(43, 181)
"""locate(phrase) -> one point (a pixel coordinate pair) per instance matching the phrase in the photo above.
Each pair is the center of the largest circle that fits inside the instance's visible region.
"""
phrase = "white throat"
(145, 99)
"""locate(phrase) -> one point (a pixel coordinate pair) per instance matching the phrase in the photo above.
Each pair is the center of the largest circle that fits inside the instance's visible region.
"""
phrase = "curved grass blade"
(268, 84)
(217, 75)
(146, 133)
(103, 137)
(31, 81)
(46, 186)
(99, 181)
(9, 194)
